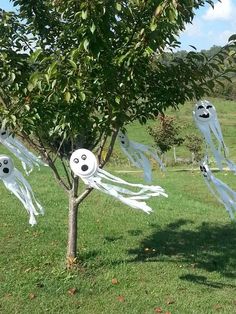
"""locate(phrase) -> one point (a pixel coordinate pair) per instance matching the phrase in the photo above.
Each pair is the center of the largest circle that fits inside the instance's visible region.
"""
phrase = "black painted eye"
(200, 107)
(76, 160)
(84, 157)
(84, 168)
(203, 169)
(0, 164)
(209, 106)
(5, 162)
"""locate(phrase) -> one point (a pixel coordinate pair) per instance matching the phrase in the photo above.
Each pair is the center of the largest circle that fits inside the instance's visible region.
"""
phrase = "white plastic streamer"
(17, 184)
(137, 152)
(224, 194)
(206, 120)
(84, 164)
(28, 159)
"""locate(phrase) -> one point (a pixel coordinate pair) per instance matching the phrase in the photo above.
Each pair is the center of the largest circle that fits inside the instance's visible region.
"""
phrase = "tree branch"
(66, 172)
(83, 195)
(110, 149)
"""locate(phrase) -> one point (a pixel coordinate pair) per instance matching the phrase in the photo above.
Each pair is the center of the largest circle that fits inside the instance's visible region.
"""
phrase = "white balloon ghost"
(28, 159)
(17, 184)
(206, 120)
(224, 194)
(84, 164)
(137, 152)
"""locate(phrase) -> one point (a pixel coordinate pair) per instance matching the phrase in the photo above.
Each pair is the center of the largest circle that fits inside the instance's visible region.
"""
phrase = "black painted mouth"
(5, 170)
(84, 168)
(204, 115)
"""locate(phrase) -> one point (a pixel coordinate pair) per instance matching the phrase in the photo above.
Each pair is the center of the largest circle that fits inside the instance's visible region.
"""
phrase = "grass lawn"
(179, 259)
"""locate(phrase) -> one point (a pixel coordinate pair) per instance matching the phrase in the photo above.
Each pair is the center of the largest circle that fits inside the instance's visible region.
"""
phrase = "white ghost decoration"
(28, 159)
(84, 164)
(17, 184)
(137, 152)
(224, 194)
(206, 120)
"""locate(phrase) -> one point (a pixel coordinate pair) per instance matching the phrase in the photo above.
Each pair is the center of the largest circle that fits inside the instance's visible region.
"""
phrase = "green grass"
(180, 258)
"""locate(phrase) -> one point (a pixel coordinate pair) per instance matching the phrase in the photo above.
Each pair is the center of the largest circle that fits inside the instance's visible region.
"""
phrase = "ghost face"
(6, 166)
(204, 111)
(205, 171)
(124, 141)
(83, 163)
(3, 134)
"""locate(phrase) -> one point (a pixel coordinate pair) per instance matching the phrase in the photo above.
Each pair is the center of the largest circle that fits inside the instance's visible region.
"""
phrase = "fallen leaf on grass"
(158, 310)
(217, 307)
(72, 291)
(114, 281)
(32, 296)
(121, 298)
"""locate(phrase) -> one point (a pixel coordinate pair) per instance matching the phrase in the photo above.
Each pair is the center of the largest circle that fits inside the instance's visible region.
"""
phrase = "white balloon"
(137, 154)
(17, 184)
(28, 159)
(84, 164)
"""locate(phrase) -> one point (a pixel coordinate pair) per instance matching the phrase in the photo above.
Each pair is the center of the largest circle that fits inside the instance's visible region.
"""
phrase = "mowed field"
(179, 259)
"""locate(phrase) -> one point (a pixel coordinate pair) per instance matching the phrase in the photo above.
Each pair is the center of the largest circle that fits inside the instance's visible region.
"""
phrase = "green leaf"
(153, 25)
(82, 96)
(73, 64)
(34, 56)
(47, 78)
(30, 87)
(13, 77)
(118, 6)
(67, 96)
(86, 44)
(84, 14)
(117, 99)
(92, 28)
(54, 83)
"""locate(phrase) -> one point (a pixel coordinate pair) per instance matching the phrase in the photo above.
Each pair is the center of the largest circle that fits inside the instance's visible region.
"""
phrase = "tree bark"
(174, 150)
(72, 226)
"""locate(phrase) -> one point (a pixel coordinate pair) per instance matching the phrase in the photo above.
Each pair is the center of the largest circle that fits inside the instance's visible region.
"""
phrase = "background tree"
(166, 134)
(74, 72)
(194, 144)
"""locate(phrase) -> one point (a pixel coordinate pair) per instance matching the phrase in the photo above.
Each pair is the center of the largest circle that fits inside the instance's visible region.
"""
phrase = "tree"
(166, 134)
(74, 72)
(194, 144)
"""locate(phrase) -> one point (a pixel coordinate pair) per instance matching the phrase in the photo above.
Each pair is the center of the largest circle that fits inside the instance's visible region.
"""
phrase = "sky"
(209, 27)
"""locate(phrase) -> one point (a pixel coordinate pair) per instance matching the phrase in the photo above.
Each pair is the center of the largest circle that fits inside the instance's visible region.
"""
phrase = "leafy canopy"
(74, 72)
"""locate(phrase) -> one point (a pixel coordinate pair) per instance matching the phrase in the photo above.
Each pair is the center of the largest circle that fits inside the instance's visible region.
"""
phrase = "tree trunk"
(193, 157)
(72, 226)
(174, 150)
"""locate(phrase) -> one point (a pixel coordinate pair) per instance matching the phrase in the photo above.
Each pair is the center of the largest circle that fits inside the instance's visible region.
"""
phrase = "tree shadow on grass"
(211, 247)
(202, 280)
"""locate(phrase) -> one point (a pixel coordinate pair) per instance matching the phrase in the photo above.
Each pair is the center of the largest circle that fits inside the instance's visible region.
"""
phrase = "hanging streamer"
(28, 159)
(84, 164)
(17, 184)
(137, 152)
(224, 194)
(206, 120)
